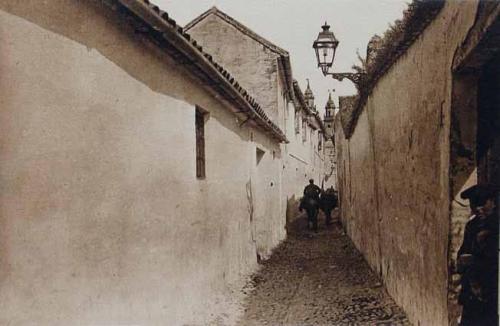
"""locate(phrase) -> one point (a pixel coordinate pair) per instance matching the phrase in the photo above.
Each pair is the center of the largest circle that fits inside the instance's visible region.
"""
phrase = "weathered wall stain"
(395, 171)
(102, 217)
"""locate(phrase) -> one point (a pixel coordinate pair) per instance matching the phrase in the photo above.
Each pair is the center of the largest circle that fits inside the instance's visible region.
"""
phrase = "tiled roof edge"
(284, 55)
(299, 95)
(300, 98)
(159, 21)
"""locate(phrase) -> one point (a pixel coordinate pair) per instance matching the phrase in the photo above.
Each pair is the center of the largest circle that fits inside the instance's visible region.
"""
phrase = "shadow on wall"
(475, 135)
(292, 211)
(129, 50)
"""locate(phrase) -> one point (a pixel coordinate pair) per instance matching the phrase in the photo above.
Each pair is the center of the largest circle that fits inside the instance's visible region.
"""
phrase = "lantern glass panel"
(325, 47)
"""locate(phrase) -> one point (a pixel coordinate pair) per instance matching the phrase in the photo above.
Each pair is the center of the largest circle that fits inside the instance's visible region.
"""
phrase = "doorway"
(475, 129)
(488, 131)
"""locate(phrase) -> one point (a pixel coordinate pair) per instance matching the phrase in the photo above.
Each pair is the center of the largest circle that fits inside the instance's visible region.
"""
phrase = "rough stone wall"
(394, 170)
(255, 66)
(102, 218)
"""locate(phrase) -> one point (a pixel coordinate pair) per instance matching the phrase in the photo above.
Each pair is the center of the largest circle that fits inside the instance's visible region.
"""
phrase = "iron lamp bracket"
(357, 78)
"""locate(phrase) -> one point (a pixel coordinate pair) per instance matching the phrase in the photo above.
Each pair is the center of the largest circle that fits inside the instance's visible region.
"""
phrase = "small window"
(200, 143)
(304, 131)
(297, 122)
(259, 154)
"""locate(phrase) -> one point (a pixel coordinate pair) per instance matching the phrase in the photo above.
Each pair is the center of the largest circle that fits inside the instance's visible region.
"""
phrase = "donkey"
(311, 205)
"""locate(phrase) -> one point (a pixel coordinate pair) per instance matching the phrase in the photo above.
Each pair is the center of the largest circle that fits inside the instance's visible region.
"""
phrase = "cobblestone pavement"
(318, 279)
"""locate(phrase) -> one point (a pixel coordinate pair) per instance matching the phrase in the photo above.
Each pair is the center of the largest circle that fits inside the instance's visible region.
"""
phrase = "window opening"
(200, 143)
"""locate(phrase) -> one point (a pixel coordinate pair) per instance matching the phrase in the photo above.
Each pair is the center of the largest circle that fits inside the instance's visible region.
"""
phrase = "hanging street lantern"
(326, 46)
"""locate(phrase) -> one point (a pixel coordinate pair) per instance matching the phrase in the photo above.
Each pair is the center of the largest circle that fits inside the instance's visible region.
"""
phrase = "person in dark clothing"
(310, 202)
(311, 190)
(478, 259)
(328, 202)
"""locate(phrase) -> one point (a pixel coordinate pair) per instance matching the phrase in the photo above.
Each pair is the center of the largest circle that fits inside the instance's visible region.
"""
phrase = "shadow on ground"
(318, 279)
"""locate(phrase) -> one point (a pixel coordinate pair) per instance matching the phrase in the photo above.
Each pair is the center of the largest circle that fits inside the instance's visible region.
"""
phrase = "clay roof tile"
(263, 119)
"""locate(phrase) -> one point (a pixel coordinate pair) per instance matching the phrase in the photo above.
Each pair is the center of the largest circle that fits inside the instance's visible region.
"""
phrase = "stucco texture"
(257, 68)
(394, 170)
(254, 64)
(102, 218)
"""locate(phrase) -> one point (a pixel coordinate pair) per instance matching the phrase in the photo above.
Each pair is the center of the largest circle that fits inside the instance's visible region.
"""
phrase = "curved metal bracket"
(356, 78)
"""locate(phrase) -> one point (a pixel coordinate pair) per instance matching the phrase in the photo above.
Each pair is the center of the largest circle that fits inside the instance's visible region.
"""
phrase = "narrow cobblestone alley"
(318, 279)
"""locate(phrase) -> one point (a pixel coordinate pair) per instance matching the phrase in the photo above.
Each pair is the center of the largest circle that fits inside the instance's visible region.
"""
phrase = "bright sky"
(294, 24)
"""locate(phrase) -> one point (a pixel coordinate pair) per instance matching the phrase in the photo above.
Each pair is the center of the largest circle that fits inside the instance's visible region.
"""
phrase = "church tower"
(309, 96)
(329, 115)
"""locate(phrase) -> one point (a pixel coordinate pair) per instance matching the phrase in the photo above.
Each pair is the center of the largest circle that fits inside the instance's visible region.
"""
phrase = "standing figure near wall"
(477, 259)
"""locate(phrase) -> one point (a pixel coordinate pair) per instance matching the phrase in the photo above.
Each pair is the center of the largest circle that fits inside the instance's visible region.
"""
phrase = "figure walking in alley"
(328, 202)
(310, 202)
(477, 259)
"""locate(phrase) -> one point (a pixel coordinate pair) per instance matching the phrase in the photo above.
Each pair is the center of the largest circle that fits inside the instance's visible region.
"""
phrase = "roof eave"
(160, 22)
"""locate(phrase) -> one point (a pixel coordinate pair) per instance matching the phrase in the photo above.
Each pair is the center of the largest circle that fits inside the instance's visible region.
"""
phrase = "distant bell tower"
(329, 114)
(309, 96)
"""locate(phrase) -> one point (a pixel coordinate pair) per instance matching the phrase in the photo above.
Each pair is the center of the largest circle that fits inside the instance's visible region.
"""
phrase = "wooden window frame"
(200, 119)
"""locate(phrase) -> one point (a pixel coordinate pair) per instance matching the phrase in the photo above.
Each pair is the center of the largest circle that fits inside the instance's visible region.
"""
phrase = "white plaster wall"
(102, 219)
(255, 66)
(266, 182)
(330, 164)
(394, 170)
